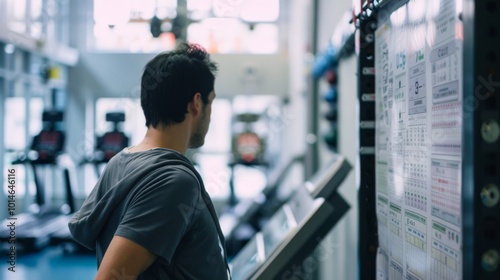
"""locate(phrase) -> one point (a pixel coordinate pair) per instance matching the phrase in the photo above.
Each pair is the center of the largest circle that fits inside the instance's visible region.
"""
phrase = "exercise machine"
(33, 230)
(289, 237)
(108, 144)
(240, 225)
(248, 148)
(240, 222)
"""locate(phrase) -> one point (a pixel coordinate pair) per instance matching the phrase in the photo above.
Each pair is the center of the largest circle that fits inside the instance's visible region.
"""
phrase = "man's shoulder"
(177, 171)
(173, 175)
(150, 160)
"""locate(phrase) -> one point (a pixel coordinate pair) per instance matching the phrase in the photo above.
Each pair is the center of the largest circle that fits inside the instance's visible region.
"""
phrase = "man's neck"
(174, 137)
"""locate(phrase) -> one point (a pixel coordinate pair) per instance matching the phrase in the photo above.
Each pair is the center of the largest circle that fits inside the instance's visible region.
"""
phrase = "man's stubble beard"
(198, 137)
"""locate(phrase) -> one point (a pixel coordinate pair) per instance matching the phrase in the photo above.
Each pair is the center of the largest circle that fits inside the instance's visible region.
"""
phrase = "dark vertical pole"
(182, 20)
(4, 88)
(70, 196)
(232, 194)
(312, 156)
(481, 144)
(368, 239)
(39, 184)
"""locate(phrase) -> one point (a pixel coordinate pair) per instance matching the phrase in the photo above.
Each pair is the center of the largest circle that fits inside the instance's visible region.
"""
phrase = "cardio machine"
(248, 217)
(289, 237)
(107, 146)
(33, 229)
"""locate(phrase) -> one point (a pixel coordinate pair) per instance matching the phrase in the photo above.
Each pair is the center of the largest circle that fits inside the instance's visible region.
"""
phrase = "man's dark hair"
(170, 81)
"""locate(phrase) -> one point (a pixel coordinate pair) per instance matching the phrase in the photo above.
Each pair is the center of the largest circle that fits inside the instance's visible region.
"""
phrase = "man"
(149, 216)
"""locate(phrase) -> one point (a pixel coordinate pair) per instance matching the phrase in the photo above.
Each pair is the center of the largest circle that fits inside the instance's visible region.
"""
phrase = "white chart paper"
(419, 115)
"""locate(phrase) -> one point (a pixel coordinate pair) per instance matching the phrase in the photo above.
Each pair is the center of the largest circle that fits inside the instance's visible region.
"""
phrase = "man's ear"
(196, 106)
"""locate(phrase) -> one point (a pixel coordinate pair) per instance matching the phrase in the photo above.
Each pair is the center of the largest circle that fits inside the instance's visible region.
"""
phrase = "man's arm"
(124, 259)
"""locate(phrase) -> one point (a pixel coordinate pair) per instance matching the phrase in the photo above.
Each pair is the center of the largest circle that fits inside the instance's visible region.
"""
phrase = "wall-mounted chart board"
(419, 100)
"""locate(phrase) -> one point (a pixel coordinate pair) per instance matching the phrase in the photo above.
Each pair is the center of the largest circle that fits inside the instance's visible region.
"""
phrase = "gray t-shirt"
(157, 199)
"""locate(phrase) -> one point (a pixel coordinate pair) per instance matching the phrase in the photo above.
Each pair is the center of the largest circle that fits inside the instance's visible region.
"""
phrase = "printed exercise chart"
(419, 115)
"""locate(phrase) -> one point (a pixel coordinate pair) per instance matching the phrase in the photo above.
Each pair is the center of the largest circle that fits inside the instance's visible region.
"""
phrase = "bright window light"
(263, 39)
(248, 181)
(215, 172)
(15, 108)
(16, 13)
(199, 9)
(230, 35)
(218, 35)
(37, 17)
(226, 8)
(221, 26)
(199, 5)
(112, 12)
(15, 139)
(260, 10)
(15, 123)
(218, 139)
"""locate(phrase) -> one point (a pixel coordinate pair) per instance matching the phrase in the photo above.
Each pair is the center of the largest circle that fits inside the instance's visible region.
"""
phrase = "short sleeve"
(161, 209)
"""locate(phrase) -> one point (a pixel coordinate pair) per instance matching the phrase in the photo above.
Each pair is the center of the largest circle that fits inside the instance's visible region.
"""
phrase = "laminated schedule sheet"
(418, 62)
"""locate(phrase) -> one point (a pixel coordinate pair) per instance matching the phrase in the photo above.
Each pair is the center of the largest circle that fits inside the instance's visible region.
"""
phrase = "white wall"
(294, 133)
(344, 263)
(341, 244)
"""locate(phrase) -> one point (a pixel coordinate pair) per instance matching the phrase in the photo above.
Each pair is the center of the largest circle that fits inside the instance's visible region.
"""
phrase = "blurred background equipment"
(108, 144)
(45, 156)
(111, 142)
(248, 146)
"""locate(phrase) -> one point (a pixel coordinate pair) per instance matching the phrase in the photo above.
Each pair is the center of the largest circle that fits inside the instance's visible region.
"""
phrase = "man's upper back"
(156, 199)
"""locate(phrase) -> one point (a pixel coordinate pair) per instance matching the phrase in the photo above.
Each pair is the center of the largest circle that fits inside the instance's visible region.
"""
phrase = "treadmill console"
(288, 217)
(49, 143)
(283, 225)
(327, 180)
(249, 258)
(293, 232)
(112, 142)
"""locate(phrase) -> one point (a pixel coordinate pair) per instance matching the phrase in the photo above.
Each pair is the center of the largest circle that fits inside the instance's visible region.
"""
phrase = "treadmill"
(238, 222)
(33, 229)
(107, 146)
(289, 237)
(323, 183)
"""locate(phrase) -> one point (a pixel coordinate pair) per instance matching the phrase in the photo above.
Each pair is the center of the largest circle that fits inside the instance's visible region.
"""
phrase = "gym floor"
(51, 263)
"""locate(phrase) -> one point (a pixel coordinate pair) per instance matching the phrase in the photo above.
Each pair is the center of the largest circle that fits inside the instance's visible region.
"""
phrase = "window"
(16, 140)
(124, 25)
(38, 19)
(16, 14)
(36, 15)
(230, 35)
(15, 132)
(213, 157)
(218, 138)
(221, 26)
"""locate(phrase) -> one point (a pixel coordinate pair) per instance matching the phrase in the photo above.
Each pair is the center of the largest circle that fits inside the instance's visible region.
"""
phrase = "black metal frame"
(481, 158)
(368, 237)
